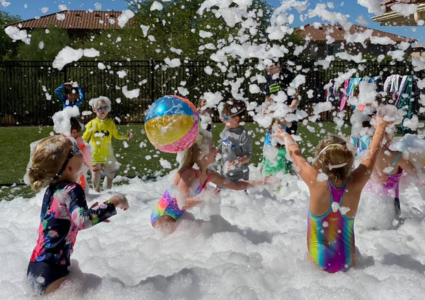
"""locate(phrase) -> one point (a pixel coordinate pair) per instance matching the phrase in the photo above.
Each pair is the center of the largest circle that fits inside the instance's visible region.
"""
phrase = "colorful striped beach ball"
(171, 124)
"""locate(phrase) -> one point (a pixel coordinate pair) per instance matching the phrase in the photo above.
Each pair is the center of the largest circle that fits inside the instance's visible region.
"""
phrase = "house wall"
(320, 50)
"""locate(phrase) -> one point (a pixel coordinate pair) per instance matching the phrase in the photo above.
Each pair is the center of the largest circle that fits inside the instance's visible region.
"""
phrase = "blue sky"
(350, 7)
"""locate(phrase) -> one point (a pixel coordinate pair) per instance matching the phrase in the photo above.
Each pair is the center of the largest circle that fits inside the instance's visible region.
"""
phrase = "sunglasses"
(225, 117)
(100, 108)
(74, 151)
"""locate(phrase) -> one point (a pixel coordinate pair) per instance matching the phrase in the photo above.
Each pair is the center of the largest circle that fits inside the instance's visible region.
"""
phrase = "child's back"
(334, 197)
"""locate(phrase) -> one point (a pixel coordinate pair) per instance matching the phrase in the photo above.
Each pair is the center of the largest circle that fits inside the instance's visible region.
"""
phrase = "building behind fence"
(27, 87)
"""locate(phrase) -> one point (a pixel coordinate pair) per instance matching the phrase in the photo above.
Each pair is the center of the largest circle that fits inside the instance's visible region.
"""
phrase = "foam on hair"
(95, 101)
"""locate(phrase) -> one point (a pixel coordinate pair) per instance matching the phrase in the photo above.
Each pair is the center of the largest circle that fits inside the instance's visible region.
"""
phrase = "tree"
(7, 47)
(175, 31)
(45, 44)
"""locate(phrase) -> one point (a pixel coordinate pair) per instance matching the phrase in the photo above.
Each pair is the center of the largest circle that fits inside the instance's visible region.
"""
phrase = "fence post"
(151, 62)
(65, 78)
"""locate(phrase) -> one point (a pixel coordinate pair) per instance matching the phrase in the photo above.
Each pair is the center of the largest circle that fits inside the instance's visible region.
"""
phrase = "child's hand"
(265, 181)
(279, 134)
(120, 201)
(232, 164)
(191, 202)
(129, 134)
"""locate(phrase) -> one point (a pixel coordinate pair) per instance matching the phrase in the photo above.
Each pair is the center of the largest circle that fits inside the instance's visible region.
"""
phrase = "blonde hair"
(47, 160)
(202, 98)
(331, 159)
(191, 154)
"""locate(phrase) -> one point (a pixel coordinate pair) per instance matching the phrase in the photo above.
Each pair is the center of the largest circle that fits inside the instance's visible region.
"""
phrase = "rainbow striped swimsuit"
(167, 205)
(330, 238)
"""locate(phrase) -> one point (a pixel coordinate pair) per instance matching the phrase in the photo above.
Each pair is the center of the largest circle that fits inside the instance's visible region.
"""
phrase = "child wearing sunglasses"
(236, 143)
(57, 163)
(99, 132)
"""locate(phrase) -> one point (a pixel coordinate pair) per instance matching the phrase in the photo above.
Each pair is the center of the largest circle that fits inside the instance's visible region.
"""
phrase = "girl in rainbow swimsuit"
(190, 185)
(334, 196)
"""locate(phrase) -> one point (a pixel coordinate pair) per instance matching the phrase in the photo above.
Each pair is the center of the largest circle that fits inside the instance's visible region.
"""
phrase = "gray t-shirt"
(235, 143)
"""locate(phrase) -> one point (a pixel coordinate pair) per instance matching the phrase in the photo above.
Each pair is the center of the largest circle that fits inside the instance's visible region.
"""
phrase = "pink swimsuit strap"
(206, 181)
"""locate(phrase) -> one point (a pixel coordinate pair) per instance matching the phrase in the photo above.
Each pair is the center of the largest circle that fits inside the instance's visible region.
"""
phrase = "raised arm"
(307, 172)
(59, 92)
(82, 96)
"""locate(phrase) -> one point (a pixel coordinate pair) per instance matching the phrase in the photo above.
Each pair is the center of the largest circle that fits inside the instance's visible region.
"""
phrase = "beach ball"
(171, 124)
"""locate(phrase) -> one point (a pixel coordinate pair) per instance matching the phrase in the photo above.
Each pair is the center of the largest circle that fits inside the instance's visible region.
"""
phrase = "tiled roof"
(337, 32)
(74, 19)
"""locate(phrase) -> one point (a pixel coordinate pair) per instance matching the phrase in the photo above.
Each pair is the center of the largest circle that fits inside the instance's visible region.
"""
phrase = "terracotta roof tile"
(75, 19)
(337, 32)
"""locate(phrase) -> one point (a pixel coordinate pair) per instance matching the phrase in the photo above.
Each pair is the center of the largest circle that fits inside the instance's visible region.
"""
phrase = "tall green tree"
(175, 31)
(45, 44)
(7, 47)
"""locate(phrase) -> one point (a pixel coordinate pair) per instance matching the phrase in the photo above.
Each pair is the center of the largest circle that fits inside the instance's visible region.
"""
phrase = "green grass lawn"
(140, 158)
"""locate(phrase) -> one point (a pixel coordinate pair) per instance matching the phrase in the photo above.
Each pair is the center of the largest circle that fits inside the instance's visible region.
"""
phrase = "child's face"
(203, 102)
(75, 167)
(72, 97)
(210, 157)
(273, 69)
(75, 134)
(230, 122)
(101, 110)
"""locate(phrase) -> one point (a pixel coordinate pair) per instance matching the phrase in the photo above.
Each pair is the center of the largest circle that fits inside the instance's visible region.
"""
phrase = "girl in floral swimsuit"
(57, 163)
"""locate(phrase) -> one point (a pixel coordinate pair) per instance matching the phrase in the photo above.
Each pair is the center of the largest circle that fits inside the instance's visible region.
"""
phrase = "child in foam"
(56, 163)
(190, 185)
(99, 133)
(236, 142)
(274, 154)
(205, 113)
(334, 196)
(86, 151)
(387, 173)
(70, 94)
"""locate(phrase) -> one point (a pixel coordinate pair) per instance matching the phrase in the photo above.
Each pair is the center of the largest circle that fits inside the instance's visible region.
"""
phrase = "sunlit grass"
(140, 158)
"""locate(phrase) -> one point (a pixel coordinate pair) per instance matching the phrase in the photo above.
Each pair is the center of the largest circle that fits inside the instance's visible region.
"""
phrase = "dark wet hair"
(75, 125)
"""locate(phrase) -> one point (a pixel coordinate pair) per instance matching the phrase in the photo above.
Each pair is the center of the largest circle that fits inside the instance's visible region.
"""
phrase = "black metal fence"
(27, 87)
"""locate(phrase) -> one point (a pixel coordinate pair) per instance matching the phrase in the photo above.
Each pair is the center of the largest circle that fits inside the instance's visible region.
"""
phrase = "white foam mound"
(252, 247)
(68, 55)
(17, 34)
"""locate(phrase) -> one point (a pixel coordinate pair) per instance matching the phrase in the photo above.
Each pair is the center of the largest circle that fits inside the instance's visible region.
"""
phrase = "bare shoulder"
(187, 175)
(358, 179)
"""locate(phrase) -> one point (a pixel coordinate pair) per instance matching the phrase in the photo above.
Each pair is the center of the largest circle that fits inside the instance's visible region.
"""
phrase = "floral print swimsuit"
(63, 213)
